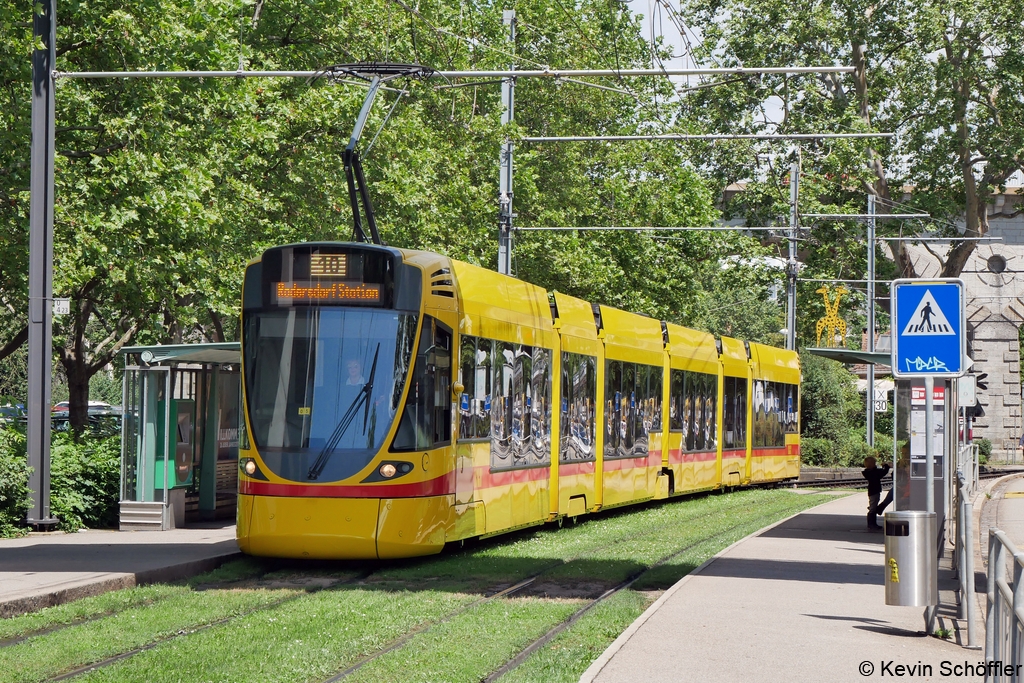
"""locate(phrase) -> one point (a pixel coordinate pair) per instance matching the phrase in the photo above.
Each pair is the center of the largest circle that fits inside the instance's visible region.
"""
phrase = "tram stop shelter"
(179, 435)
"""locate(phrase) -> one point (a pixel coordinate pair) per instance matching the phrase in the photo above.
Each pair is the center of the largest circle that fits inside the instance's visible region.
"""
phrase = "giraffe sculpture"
(832, 322)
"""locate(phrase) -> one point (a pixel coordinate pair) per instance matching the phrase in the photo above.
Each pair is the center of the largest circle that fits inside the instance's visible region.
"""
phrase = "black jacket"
(874, 476)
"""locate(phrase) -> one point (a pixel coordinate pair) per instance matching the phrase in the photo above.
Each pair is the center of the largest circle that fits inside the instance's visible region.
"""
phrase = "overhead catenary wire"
(696, 136)
(697, 228)
(546, 72)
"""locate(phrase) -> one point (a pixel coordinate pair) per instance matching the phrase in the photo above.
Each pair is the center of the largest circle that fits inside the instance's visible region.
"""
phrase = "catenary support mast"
(505, 215)
(40, 264)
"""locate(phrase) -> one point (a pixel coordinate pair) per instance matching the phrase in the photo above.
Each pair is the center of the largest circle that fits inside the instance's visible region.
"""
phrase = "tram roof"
(221, 353)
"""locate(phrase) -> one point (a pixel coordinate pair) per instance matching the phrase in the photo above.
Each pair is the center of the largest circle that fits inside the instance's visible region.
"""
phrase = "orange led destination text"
(338, 291)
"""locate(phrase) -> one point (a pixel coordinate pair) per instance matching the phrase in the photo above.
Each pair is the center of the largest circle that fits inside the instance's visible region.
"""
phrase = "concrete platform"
(801, 601)
(44, 569)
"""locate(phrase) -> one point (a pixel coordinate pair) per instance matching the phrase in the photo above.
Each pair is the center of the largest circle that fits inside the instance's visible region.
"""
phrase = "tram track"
(523, 585)
(552, 633)
(188, 631)
(853, 482)
(203, 627)
(372, 576)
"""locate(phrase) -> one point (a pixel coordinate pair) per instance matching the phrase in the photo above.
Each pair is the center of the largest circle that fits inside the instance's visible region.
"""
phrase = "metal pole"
(791, 264)
(870, 423)
(929, 481)
(929, 449)
(40, 264)
(968, 596)
(508, 89)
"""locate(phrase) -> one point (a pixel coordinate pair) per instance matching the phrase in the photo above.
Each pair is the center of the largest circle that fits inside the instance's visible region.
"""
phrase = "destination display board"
(284, 293)
(327, 275)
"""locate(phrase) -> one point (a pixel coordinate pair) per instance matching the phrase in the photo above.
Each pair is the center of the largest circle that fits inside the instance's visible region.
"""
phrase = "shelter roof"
(221, 353)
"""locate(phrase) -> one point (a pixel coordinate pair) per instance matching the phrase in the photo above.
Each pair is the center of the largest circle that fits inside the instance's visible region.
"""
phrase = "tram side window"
(630, 407)
(442, 384)
(710, 412)
(689, 406)
(654, 398)
(613, 408)
(540, 412)
(467, 376)
(792, 408)
(700, 403)
(476, 378)
(758, 409)
(520, 409)
(501, 405)
(675, 401)
(741, 412)
(426, 420)
(729, 413)
(579, 396)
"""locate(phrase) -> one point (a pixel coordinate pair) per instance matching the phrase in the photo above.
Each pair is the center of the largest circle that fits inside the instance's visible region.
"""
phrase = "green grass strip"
(307, 639)
(509, 560)
(566, 657)
(470, 646)
(51, 654)
(86, 608)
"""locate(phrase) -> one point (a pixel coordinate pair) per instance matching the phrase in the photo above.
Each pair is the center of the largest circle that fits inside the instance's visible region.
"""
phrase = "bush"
(817, 452)
(84, 481)
(14, 502)
(984, 450)
(847, 451)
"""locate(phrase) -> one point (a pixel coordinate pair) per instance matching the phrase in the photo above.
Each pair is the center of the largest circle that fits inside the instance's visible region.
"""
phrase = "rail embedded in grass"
(371, 628)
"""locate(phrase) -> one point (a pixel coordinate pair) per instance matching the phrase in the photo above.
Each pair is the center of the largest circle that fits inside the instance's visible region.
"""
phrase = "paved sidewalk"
(801, 601)
(1005, 511)
(45, 569)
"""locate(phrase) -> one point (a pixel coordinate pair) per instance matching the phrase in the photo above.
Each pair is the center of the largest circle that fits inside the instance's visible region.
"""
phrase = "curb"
(113, 582)
(598, 664)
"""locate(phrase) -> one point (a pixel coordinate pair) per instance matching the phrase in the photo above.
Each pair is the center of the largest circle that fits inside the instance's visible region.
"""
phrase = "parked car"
(11, 413)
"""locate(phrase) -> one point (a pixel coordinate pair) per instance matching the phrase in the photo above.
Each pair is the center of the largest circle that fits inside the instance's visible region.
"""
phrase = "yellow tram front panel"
(581, 354)
(693, 397)
(776, 411)
(318, 528)
(631, 406)
(505, 416)
(738, 467)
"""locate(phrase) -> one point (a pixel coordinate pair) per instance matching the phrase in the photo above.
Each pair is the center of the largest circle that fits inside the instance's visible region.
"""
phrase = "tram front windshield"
(324, 381)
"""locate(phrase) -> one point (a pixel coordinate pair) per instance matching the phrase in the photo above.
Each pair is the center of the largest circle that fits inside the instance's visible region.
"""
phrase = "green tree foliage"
(166, 188)
(829, 408)
(944, 75)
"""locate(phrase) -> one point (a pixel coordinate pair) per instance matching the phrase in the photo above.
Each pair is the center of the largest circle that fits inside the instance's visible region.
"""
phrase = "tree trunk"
(78, 374)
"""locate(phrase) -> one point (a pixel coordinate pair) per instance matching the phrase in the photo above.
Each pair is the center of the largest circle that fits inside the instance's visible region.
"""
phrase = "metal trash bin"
(911, 572)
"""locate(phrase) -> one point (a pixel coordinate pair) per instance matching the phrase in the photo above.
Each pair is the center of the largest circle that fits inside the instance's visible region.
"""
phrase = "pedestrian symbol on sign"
(928, 319)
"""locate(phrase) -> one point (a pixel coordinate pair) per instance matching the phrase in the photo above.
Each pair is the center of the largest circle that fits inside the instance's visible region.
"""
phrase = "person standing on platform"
(874, 476)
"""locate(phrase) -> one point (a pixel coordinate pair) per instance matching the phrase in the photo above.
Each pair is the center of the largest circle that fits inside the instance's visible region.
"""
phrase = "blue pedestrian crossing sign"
(928, 324)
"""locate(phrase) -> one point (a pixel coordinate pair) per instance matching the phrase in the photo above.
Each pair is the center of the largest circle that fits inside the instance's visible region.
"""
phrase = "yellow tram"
(398, 400)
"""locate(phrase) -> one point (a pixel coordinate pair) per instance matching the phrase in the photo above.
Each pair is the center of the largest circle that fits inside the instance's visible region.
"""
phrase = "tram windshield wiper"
(361, 399)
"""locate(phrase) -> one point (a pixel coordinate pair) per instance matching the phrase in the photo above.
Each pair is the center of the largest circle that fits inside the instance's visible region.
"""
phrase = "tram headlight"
(387, 470)
(249, 467)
